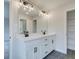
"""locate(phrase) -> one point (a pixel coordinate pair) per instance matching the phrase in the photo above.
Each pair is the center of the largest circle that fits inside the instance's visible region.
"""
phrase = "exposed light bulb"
(18, 4)
(24, 8)
(31, 8)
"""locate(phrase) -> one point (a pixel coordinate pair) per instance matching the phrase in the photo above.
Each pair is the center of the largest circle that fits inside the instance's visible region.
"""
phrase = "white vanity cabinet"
(37, 48)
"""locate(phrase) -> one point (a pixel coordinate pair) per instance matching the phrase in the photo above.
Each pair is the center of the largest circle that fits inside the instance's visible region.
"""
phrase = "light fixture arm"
(43, 11)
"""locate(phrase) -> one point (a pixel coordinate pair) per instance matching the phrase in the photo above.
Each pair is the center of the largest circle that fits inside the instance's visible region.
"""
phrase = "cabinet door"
(51, 43)
(37, 51)
(34, 51)
(31, 54)
(45, 51)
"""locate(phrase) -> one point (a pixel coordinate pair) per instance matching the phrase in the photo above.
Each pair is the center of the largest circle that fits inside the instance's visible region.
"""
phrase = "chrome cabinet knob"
(46, 44)
(9, 37)
(45, 39)
(35, 49)
(52, 41)
(46, 52)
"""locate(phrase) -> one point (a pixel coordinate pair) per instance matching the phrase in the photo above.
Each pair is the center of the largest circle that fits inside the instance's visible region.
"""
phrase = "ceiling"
(50, 4)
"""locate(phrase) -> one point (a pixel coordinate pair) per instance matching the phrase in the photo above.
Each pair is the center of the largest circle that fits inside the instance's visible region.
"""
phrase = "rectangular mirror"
(22, 24)
(34, 26)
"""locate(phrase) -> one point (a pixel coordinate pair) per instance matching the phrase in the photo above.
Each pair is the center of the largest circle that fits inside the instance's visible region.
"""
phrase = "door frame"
(66, 27)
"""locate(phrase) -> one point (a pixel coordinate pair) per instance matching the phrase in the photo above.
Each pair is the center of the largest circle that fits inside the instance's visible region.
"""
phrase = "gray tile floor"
(58, 55)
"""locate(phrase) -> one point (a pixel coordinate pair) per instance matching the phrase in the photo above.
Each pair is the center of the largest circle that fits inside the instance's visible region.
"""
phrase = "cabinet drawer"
(51, 37)
(45, 52)
(45, 46)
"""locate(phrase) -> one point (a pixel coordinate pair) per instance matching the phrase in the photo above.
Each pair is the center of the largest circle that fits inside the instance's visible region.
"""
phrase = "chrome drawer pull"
(46, 52)
(45, 39)
(46, 44)
(52, 41)
(35, 49)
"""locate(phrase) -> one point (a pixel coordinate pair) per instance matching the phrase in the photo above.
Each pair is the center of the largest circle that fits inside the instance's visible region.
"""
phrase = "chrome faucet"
(43, 32)
(26, 33)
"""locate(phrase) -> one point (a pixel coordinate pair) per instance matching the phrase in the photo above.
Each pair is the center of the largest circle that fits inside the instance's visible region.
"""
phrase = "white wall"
(58, 24)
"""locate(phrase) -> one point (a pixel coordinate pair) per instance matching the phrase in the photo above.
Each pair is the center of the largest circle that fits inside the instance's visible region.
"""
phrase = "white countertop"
(33, 36)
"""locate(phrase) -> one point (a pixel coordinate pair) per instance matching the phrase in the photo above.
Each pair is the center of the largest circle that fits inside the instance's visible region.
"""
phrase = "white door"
(71, 29)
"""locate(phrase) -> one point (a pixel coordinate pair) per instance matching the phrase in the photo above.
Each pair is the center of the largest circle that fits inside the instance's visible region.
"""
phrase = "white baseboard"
(71, 48)
(64, 52)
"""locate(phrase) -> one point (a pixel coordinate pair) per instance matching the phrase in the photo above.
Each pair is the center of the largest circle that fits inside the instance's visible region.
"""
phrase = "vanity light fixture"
(28, 7)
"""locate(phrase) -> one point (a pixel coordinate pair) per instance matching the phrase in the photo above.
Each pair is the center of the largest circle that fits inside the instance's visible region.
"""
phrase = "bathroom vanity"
(35, 46)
